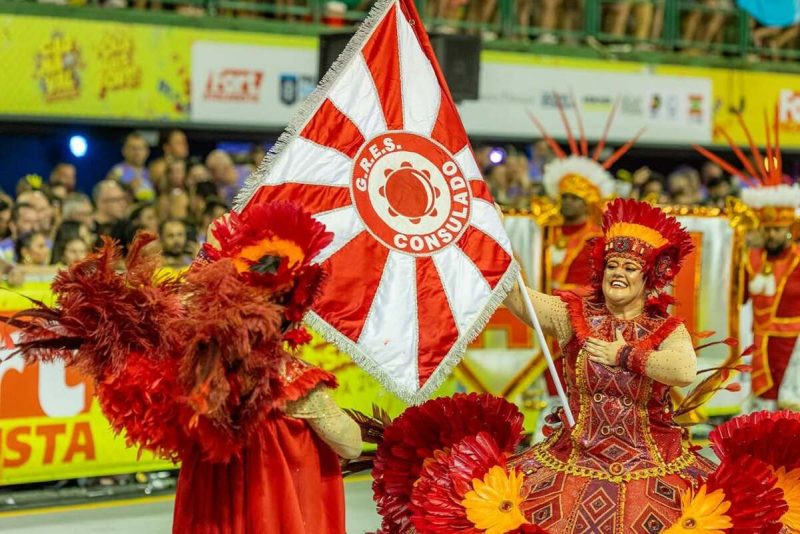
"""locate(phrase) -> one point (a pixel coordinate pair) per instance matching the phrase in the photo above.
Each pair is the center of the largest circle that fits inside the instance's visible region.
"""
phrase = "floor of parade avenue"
(153, 515)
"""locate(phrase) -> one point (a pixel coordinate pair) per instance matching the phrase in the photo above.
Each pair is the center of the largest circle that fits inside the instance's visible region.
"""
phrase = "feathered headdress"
(645, 234)
(578, 173)
(770, 194)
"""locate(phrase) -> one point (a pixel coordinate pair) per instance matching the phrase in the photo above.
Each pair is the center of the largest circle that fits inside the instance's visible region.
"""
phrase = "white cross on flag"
(420, 259)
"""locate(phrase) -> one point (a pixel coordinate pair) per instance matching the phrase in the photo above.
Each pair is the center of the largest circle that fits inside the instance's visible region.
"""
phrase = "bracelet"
(623, 354)
(638, 360)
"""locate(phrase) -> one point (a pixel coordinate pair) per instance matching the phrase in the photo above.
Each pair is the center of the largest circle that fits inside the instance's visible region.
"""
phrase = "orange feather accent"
(550, 141)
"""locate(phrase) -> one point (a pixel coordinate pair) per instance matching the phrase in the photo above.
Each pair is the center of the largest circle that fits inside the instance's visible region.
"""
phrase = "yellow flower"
(702, 513)
(493, 503)
(790, 484)
(269, 247)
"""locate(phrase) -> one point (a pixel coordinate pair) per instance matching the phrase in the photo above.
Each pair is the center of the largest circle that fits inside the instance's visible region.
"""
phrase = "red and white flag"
(420, 259)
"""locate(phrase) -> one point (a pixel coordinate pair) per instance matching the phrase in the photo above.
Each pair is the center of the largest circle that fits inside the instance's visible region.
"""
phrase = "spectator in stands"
(111, 203)
(24, 220)
(541, 155)
(682, 186)
(653, 189)
(174, 205)
(43, 206)
(228, 177)
(646, 22)
(257, 153)
(214, 209)
(77, 207)
(175, 147)
(173, 237)
(6, 207)
(710, 23)
(197, 173)
(33, 248)
(71, 243)
(29, 182)
(719, 189)
(133, 171)
(64, 174)
(144, 217)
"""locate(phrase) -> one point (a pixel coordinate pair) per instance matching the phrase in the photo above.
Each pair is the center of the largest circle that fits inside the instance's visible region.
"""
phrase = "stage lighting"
(78, 146)
(497, 156)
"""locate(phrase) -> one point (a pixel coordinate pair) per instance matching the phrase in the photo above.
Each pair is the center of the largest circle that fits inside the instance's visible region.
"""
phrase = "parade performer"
(772, 276)
(622, 467)
(198, 371)
(582, 185)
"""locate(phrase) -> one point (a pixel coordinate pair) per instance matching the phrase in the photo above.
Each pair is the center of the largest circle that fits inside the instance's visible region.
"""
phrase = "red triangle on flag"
(420, 258)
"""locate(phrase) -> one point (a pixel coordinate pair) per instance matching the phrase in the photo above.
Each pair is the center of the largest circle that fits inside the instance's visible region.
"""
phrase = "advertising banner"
(672, 109)
(243, 84)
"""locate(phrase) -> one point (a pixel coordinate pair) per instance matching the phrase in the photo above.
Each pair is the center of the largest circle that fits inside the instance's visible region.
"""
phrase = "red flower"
(436, 498)
(749, 485)
(771, 437)
(436, 425)
(270, 242)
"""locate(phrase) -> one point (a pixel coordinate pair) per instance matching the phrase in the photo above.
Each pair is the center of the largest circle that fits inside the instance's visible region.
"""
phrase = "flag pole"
(526, 298)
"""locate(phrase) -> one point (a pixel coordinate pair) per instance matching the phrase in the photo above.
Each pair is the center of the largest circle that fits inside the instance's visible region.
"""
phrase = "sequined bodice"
(624, 422)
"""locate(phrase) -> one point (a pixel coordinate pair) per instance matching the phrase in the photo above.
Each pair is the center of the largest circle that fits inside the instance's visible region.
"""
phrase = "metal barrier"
(693, 29)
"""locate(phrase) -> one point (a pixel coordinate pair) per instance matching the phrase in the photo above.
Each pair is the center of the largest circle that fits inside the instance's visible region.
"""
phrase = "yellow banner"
(107, 70)
(66, 67)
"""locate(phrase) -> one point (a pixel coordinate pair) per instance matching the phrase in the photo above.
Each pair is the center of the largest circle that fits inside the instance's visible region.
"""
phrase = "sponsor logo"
(234, 85)
(696, 107)
(789, 109)
(410, 193)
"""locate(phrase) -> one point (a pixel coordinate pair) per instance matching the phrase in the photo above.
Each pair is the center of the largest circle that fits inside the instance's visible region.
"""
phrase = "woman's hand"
(605, 352)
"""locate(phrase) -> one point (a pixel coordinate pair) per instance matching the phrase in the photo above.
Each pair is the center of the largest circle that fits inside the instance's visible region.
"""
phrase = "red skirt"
(287, 481)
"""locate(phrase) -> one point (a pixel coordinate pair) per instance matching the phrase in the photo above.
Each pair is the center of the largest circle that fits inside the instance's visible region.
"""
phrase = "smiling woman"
(624, 464)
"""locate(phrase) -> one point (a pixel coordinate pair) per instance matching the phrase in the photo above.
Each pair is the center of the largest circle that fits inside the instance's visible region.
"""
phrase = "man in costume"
(197, 370)
(772, 277)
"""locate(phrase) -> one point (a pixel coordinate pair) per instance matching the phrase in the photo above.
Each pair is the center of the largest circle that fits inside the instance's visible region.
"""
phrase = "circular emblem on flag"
(410, 193)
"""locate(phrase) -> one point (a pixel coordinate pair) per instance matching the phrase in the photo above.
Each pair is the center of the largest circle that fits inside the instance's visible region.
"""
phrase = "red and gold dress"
(623, 466)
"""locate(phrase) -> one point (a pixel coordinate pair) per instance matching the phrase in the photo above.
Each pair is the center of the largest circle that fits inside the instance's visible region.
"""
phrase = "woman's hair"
(136, 213)
(25, 241)
(66, 232)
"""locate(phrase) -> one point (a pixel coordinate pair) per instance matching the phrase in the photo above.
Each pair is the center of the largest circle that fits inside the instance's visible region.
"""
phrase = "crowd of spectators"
(629, 23)
(47, 222)
(515, 179)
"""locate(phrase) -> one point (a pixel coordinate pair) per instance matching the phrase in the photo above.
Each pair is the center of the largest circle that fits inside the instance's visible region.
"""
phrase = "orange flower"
(790, 484)
(702, 513)
(282, 248)
(493, 504)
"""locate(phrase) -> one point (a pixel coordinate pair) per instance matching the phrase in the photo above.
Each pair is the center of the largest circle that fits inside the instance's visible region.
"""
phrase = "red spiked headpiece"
(578, 173)
(645, 234)
(773, 198)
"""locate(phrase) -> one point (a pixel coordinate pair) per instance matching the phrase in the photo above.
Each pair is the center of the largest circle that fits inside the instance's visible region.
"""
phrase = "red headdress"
(577, 172)
(645, 234)
(773, 198)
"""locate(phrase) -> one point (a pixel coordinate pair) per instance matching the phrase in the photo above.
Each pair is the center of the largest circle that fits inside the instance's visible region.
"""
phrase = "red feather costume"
(197, 371)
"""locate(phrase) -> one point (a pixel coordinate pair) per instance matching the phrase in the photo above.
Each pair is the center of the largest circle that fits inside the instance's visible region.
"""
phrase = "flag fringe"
(312, 103)
(445, 368)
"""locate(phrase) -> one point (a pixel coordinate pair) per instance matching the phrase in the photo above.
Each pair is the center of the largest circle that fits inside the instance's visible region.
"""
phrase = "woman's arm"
(329, 422)
(674, 363)
(551, 311)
